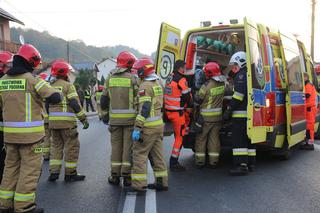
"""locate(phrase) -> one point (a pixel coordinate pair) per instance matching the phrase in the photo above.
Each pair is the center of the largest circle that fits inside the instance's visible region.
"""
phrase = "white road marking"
(316, 147)
(130, 203)
(151, 200)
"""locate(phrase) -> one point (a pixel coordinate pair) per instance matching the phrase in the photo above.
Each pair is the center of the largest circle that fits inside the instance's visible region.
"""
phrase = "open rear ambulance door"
(256, 84)
(168, 50)
(295, 96)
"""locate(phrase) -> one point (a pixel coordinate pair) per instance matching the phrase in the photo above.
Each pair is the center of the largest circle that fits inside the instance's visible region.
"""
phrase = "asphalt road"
(276, 186)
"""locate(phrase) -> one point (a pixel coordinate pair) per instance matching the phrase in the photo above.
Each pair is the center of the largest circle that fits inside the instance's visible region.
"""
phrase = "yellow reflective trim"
(211, 113)
(24, 197)
(55, 162)
(240, 153)
(60, 88)
(119, 82)
(6, 194)
(239, 115)
(122, 115)
(80, 113)
(116, 163)
(157, 90)
(72, 95)
(238, 96)
(62, 118)
(200, 154)
(130, 98)
(70, 165)
(126, 163)
(161, 173)
(13, 85)
(217, 91)
(141, 118)
(23, 129)
(40, 84)
(144, 98)
(251, 154)
(139, 176)
(154, 123)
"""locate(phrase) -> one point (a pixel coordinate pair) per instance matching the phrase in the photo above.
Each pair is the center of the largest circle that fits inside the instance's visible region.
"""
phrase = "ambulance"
(276, 62)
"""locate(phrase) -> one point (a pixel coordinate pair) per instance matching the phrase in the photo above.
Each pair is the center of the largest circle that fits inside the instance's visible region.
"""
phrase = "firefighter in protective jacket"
(118, 105)
(244, 153)
(6, 63)
(21, 102)
(63, 125)
(210, 99)
(148, 131)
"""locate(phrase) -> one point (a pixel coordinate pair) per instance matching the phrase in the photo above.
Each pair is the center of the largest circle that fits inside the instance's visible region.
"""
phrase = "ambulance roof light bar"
(205, 23)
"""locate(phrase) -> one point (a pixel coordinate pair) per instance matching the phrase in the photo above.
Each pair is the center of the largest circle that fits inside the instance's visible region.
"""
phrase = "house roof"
(6, 15)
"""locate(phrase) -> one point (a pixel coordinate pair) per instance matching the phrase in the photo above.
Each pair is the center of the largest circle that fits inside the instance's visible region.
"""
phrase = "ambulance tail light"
(190, 55)
(270, 109)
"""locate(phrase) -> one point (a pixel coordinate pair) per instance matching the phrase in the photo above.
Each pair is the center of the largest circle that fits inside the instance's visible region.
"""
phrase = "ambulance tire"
(284, 153)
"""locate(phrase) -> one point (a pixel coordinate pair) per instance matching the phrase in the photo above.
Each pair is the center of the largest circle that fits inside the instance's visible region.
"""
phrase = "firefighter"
(88, 98)
(244, 152)
(47, 138)
(311, 112)
(117, 101)
(5, 64)
(97, 98)
(63, 125)
(210, 99)
(21, 101)
(148, 131)
(177, 96)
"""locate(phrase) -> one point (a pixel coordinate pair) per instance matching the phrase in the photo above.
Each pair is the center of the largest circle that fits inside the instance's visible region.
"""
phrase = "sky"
(137, 23)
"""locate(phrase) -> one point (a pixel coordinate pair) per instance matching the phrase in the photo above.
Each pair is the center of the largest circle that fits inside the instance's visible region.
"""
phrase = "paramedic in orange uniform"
(311, 112)
(177, 97)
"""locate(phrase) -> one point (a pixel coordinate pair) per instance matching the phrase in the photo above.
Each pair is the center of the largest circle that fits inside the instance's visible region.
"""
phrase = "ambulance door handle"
(257, 106)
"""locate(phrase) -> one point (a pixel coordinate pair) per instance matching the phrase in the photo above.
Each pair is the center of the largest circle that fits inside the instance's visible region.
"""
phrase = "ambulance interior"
(214, 46)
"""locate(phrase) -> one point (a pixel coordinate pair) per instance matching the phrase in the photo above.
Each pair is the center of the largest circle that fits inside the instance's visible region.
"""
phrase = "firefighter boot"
(158, 186)
(53, 177)
(114, 180)
(175, 166)
(36, 210)
(72, 178)
(307, 146)
(239, 170)
(126, 181)
(2, 210)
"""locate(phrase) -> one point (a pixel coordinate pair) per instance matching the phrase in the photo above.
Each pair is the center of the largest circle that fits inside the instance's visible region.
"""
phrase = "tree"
(85, 79)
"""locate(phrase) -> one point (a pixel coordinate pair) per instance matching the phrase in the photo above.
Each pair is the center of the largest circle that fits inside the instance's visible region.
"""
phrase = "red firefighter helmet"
(144, 67)
(317, 68)
(43, 75)
(30, 54)
(126, 60)
(60, 68)
(5, 59)
(100, 88)
(212, 69)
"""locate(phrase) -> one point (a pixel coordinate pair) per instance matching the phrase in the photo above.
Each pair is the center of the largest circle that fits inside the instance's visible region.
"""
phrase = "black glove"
(227, 114)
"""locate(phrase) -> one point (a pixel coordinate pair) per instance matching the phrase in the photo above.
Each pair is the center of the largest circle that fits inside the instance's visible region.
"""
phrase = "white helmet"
(239, 58)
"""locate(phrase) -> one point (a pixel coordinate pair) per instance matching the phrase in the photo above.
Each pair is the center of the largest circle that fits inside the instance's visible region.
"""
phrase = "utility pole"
(313, 5)
(68, 51)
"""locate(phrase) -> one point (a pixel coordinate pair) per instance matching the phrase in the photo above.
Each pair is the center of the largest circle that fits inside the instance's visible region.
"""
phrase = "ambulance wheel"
(284, 153)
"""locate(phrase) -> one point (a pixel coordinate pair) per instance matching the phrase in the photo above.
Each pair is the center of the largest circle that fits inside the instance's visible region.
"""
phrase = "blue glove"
(136, 135)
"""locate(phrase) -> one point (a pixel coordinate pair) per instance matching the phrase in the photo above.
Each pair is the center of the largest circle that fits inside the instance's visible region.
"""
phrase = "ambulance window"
(293, 62)
(302, 60)
(258, 78)
(314, 77)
